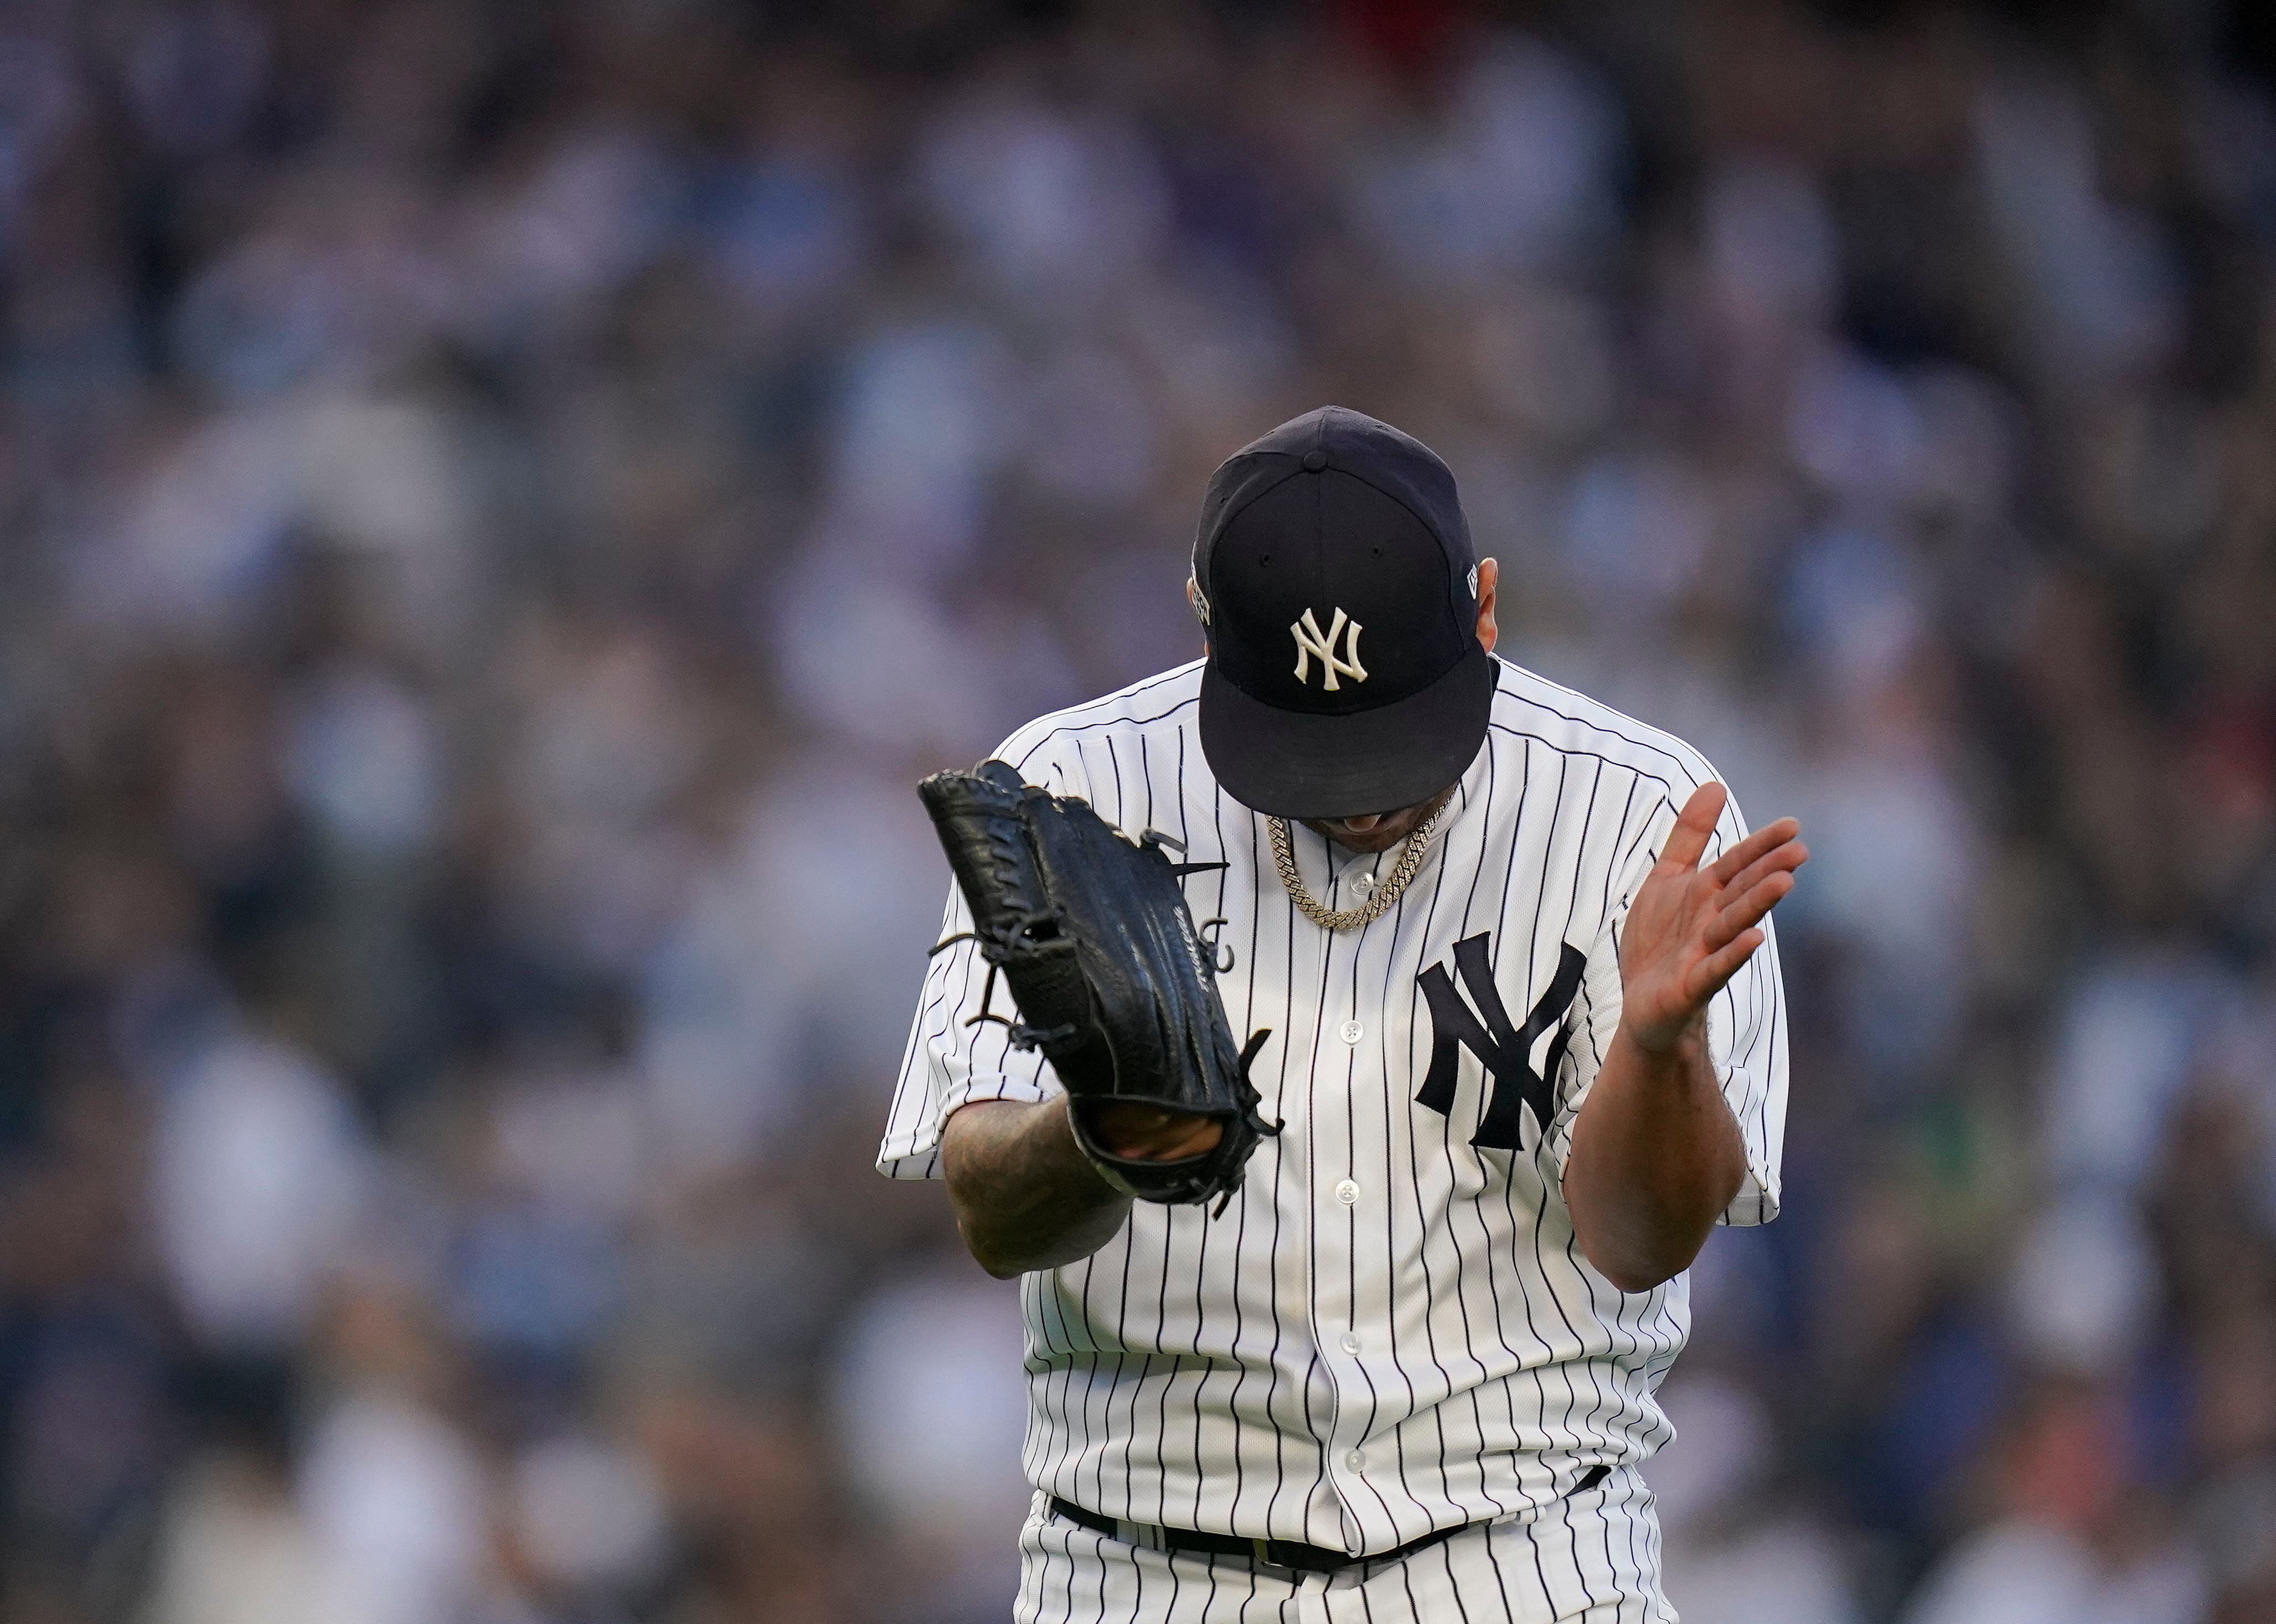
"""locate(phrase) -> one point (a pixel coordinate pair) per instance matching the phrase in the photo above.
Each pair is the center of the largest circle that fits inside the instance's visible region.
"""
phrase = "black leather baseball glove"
(1090, 931)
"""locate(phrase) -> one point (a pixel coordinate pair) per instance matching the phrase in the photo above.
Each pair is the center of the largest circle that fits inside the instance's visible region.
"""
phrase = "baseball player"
(1527, 1045)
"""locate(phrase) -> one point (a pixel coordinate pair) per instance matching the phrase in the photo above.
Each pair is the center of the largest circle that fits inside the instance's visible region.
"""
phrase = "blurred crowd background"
(500, 501)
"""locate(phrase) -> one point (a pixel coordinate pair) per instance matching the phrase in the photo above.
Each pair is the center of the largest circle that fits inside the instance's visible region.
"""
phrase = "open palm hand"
(1690, 929)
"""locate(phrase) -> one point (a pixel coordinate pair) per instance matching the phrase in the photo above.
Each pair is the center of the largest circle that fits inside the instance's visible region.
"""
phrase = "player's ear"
(1200, 606)
(1488, 572)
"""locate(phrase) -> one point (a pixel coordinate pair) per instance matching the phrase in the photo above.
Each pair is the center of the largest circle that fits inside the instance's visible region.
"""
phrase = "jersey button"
(1348, 1342)
(1352, 1031)
(1347, 1191)
(1357, 1460)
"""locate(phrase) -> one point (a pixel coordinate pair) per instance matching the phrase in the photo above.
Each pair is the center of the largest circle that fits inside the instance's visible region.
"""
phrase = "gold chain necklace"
(1410, 860)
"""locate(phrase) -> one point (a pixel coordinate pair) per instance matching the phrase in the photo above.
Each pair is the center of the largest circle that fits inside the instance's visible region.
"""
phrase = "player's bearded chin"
(1376, 832)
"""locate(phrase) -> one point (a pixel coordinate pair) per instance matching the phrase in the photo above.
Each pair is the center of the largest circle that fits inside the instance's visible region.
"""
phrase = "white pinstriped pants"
(1592, 1558)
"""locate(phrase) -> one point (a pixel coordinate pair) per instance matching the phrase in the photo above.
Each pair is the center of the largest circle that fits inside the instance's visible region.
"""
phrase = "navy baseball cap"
(1339, 584)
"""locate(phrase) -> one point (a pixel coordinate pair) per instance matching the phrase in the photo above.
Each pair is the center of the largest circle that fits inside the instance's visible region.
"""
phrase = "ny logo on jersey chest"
(1504, 1051)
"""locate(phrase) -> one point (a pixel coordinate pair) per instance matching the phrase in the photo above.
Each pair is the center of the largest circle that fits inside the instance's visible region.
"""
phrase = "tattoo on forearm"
(1025, 1196)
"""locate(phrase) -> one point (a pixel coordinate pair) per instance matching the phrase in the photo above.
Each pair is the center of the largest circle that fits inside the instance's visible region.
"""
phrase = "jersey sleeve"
(954, 1059)
(1746, 1027)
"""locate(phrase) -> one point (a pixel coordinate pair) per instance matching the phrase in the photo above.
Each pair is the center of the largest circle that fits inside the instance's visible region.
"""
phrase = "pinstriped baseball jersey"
(1391, 1329)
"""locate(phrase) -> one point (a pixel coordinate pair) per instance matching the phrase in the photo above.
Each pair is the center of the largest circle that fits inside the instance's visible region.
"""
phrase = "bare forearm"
(1025, 1196)
(1657, 1155)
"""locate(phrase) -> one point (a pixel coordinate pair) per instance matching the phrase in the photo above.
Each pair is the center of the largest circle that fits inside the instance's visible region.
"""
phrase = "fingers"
(1781, 859)
(1695, 826)
(1764, 841)
(1144, 1132)
(1742, 913)
(1711, 974)
(1190, 1137)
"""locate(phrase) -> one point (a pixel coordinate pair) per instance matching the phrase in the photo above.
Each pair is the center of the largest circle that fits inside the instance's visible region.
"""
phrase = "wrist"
(1144, 1134)
(1685, 1041)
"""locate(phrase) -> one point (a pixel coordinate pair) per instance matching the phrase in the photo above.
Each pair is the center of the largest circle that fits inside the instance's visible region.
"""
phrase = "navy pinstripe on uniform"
(1391, 1330)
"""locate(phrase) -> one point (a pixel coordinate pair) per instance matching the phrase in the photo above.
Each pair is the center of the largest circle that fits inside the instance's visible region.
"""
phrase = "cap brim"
(1298, 764)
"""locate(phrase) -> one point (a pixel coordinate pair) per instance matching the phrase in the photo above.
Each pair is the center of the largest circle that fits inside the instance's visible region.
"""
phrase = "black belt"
(1272, 1552)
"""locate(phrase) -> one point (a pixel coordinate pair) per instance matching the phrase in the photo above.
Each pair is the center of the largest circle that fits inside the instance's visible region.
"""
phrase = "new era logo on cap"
(1337, 515)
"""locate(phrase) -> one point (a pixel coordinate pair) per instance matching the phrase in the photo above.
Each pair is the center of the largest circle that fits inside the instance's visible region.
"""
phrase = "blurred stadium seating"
(502, 499)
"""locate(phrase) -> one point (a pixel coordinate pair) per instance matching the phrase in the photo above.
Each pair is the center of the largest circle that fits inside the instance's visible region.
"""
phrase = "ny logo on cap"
(1311, 641)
